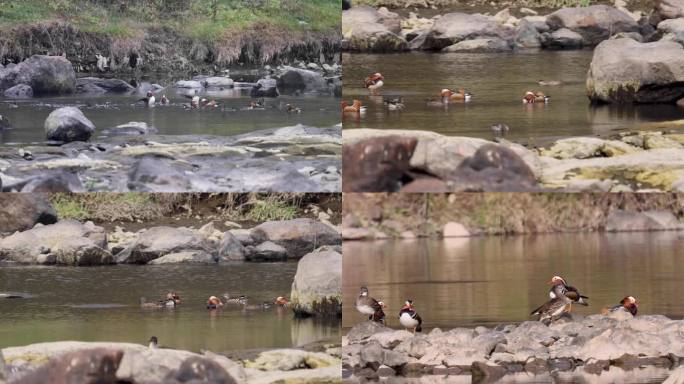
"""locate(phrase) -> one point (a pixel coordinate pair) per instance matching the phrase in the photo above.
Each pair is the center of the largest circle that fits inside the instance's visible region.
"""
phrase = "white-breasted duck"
(374, 83)
(394, 104)
(164, 100)
(409, 318)
(560, 287)
(535, 97)
(457, 97)
(153, 342)
(627, 304)
(234, 300)
(149, 99)
(214, 303)
(355, 108)
(369, 306)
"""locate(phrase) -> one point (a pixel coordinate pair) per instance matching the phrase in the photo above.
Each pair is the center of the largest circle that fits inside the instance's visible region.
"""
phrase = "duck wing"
(549, 306)
(573, 294)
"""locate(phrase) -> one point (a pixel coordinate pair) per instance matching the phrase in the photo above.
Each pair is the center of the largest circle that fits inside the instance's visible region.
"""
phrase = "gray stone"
(160, 241)
(298, 236)
(187, 257)
(317, 289)
(22, 211)
(485, 45)
(563, 38)
(267, 251)
(595, 23)
(46, 75)
(231, 248)
(19, 91)
(68, 124)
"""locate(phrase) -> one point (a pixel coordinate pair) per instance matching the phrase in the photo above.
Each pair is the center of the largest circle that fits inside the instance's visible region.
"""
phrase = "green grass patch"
(271, 209)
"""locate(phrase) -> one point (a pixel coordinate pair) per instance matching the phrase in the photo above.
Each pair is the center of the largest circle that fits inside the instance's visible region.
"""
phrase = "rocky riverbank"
(421, 161)
(590, 345)
(72, 361)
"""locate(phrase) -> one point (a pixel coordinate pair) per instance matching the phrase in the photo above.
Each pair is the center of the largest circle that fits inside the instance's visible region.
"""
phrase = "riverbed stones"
(46, 75)
(642, 221)
(376, 164)
(160, 241)
(595, 23)
(19, 91)
(130, 129)
(22, 211)
(486, 45)
(267, 251)
(231, 247)
(217, 82)
(188, 84)
(68, 124)
(366, 29)
(626, 71)
(298, 236)
(453, 28)
(113, 86)
(672, 29)
(668, 9)
(186, 257)
(66, 242)
(563, 38)
(300, 80)
(454, 229)
(317, 285)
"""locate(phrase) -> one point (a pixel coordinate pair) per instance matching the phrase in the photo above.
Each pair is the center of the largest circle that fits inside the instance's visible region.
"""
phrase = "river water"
(28, 116)
(101, 304)
(498, 83)
(493, 280)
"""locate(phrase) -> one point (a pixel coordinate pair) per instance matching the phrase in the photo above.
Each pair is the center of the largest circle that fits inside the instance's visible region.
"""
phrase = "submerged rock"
(68, 124)
(317, 286)
(626, 71)
(116, 86)
(20, 91)
(297, 236)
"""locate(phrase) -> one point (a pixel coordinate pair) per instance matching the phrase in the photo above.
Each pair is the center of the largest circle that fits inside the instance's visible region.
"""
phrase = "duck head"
(557, 280)
(377, 76)
(363, 291)
(446, 93)
(281, 301)
(382, 304)
(150, 94)
(408, 304)
(153, 342)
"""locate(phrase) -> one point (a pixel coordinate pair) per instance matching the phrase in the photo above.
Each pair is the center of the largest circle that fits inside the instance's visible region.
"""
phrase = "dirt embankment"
(163, 49)
(502, 213)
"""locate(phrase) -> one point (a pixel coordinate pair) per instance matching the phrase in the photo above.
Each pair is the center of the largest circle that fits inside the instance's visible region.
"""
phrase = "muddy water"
(28, 116)
(101, 304)
(494, 280)
(498, 82)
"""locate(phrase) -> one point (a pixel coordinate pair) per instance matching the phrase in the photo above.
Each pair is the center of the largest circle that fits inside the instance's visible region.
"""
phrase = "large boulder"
(595, 23)
(160, 241)
(487, 45)
(66, 242)
(217, 82)
(672, 29)
(108, 85)
(46, 75)
(295, 79)
(68, 124)
(231, 248)
(20, 212)
(668, 9)
(267, 251)
(626, 71)
(642, 221)
(562, 39)
(265, 87)
(366, 29)
(298, 236)
(185, 257)
(317, 286)
(456, 27)
(153, 174)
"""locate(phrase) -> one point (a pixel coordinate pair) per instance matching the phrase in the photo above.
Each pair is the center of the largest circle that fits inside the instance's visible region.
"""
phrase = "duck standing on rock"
(560, 288)
(627, 304)
(371, 307)
(374, 83)
(552, 309)
(535, 97)
(409, 318)
(149, 99)
(154, 343)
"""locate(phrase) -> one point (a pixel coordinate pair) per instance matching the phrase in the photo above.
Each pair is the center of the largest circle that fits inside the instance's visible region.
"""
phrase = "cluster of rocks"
(380, 30)
(591, 344)
(130, 157)
(420, 161)
(69, 242)
(77, 362)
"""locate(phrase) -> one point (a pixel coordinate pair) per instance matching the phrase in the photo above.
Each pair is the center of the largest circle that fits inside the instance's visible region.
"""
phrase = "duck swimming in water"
(234, 300)
(356, 107)
(290, 109)
(499, 130)
(628, 304)
(282, 301)
(214, 303)
(164, 100)
(409, 318)
(456, 97)
(374, 83)
(259, 104)
(371, 307)
(396, 104)
(149, 99)
(535, 97)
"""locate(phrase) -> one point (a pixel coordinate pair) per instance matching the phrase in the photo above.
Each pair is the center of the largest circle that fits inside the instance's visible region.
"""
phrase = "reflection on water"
(101, 304)
(498, 82)
(27, 117)
(493, 280)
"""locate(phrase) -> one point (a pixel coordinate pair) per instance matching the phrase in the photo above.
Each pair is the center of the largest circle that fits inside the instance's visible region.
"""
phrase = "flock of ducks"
(197, 102)
(561, 298)
(172, 300)
(375, 82)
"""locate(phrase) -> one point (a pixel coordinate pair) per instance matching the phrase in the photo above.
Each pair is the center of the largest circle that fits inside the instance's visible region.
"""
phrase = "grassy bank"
(209, 31)
(241, 207)
(500, 213)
